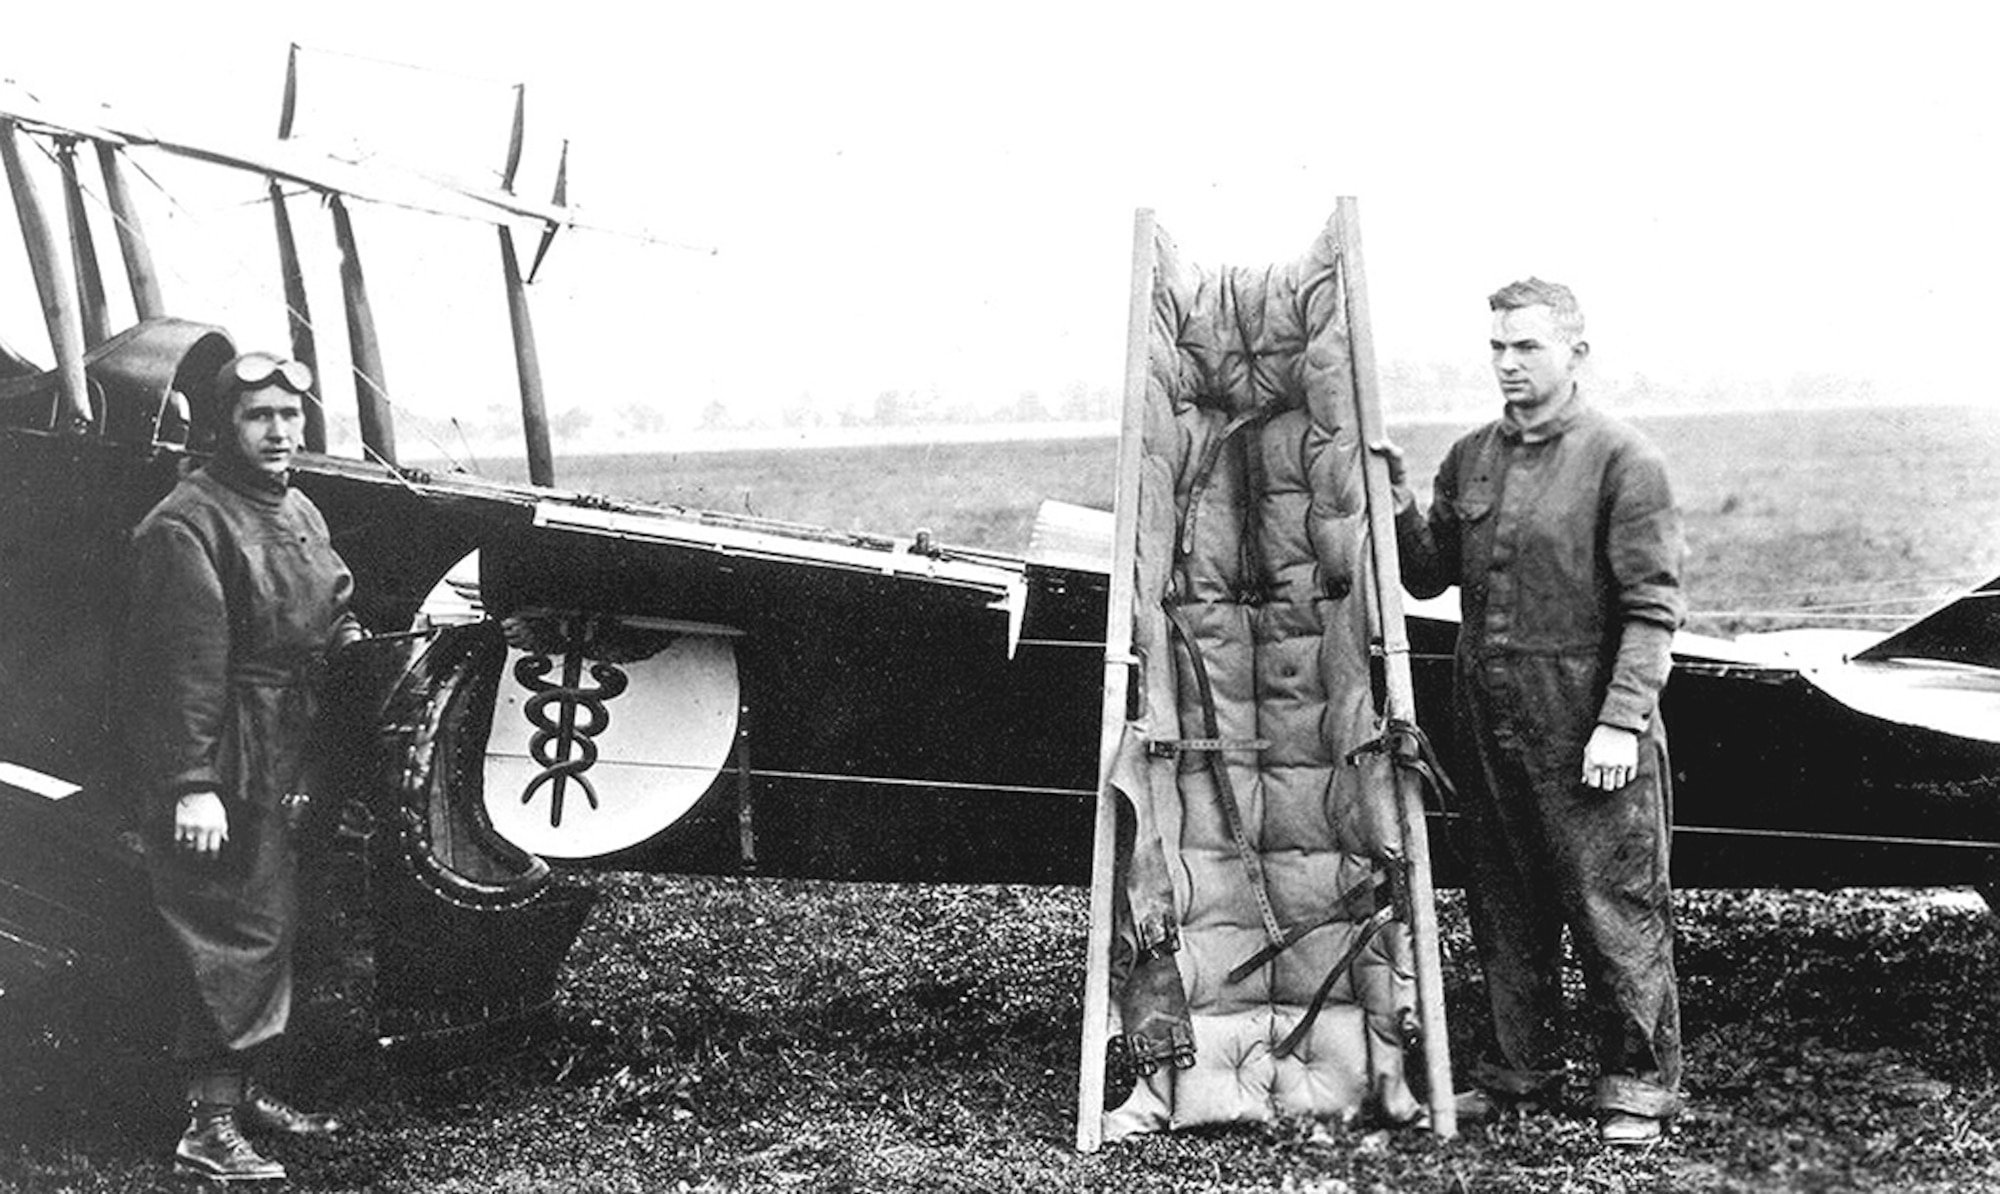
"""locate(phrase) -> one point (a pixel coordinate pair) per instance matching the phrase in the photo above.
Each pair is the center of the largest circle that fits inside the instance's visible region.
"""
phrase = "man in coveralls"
(238, 598)
(1557, 524)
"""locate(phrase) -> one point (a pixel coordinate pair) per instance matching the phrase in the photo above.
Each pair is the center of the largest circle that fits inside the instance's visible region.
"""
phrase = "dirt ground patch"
(726, 1035)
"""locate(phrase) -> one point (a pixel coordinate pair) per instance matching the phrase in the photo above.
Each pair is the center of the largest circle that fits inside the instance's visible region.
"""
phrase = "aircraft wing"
(19, 104)
(301, 162)
(291, 160)
(70, 894)
(1004, 586)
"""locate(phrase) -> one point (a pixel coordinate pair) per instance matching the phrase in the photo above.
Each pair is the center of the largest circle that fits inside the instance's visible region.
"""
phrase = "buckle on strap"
(1147, 1054)
(1173, 748)
(1168, 941)
(1409, 747)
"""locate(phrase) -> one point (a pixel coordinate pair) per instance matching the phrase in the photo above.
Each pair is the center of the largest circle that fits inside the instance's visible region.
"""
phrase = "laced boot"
(263, 1111)
(214, 1148)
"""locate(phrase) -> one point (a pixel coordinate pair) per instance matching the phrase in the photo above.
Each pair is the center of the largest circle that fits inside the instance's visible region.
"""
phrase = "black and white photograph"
(1297, 598)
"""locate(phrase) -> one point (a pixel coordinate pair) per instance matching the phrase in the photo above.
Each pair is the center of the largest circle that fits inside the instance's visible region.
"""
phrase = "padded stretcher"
(1260, 958)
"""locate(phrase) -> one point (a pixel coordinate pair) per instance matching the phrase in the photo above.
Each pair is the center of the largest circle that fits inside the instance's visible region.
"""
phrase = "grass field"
(772, 1035)
(1786, 511)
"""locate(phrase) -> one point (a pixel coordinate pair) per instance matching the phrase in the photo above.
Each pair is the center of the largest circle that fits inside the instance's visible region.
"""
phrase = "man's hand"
(201, 824)
(1611, 759)
(1399, 474)
(1393, 457)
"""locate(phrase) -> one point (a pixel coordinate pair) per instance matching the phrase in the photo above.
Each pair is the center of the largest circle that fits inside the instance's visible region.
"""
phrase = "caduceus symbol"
(580, 716)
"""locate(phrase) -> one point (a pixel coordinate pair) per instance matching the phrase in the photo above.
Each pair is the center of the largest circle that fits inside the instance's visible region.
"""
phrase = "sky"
(938, 198)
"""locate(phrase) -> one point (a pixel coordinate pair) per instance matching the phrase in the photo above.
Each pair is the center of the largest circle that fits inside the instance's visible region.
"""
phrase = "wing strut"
(139, 271)
(378, 421)
(527, 361)
(71, 413)
(298, 312)
(83, 250)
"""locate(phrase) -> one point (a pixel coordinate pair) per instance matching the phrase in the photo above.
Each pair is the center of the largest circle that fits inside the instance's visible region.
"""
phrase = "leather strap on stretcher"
(1409, 748)
(1204, 472)
(1252, 585)
(1154, 1009)
(1358, 901)
(1225, 792)
(1406, 743)
(1362, 937)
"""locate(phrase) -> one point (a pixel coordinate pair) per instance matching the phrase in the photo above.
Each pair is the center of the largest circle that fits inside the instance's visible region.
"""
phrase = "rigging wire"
(578, 217)
(238, 270)
(1846, 610)
(946, 785)
(836, 777)
(1958, 581)
(1862, 603)
(1809, 612)
(472, 461)
(1833, 612)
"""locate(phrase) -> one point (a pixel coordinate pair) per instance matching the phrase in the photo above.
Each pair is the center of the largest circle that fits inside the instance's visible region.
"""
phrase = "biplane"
(563, 682)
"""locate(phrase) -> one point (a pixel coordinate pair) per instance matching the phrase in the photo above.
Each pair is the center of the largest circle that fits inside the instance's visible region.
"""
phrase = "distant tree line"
(1409, 389)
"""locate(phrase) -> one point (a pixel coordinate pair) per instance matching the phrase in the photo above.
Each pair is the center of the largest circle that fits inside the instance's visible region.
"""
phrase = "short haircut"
(1533, 292)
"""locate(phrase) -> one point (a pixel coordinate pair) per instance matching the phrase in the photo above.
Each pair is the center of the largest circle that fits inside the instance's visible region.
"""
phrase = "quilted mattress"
(1261, 967)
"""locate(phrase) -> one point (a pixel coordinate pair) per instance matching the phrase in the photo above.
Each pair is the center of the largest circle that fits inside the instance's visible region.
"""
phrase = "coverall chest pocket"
(1473, 510)
(1474, 504)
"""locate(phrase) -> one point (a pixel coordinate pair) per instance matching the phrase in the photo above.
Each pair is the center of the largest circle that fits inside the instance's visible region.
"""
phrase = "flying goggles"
(256, 369)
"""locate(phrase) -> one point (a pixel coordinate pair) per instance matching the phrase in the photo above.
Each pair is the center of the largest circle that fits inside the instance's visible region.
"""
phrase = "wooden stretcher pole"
(1118, 669)
(53, 283)
(1396, 661)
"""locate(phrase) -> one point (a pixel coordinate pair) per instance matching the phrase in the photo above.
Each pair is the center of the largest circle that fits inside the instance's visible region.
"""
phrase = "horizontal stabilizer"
(1965, 631)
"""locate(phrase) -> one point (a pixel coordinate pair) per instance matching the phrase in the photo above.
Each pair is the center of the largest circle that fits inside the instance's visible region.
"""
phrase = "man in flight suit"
(237, 599)
(1557, 524)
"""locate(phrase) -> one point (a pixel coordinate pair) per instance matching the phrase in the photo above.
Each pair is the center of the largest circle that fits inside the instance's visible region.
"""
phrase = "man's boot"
(213, 1147)
(266, 1112)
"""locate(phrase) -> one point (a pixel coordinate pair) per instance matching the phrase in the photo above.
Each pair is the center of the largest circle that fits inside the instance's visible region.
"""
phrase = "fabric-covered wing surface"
(1259, 965)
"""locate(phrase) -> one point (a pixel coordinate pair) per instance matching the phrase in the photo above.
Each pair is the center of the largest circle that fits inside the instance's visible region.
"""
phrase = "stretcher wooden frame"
(1118, 663)
(1400, 696)
(1389, 639)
